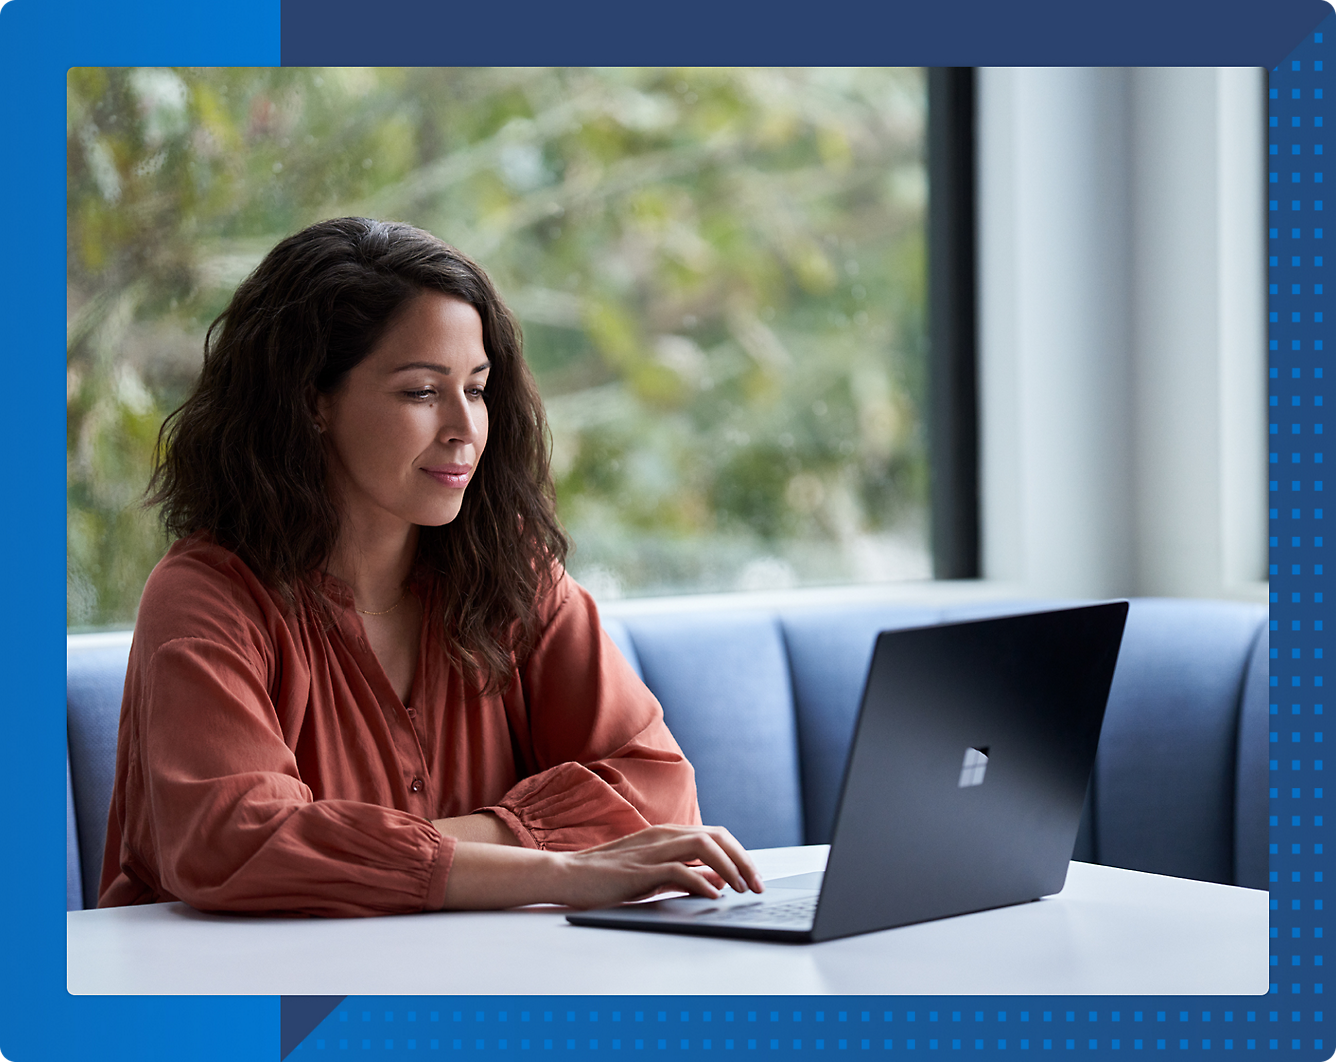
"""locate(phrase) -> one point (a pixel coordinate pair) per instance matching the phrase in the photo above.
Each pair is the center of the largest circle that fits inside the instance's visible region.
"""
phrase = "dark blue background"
(836, 32)
(41, 39)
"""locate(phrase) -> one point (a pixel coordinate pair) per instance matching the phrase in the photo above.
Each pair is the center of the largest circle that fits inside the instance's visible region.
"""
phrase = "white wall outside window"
(1122, 331)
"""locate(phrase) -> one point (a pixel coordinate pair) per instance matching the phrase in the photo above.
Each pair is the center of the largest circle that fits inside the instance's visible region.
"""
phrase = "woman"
(361, 681)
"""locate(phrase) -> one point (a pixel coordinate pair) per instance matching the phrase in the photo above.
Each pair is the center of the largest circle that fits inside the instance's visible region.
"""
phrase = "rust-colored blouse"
(265, 763)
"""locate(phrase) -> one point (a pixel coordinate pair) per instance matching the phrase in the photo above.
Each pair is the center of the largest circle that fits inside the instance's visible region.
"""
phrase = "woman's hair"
(242, 458)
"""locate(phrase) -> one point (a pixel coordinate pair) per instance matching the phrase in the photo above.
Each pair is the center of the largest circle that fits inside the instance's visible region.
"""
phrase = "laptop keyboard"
(789, 912)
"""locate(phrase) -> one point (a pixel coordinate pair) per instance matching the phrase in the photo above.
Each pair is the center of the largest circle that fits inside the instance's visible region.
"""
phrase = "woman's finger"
(724, 854)
(693, 881)
(658, 857)
(712, 877)
(718, 860)
(694, 843)
(740, 857)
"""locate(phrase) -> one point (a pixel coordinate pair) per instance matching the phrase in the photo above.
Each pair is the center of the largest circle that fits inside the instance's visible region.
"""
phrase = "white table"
(1109, 932)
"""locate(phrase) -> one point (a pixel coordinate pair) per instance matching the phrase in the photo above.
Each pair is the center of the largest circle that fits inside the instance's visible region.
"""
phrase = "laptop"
(963, 789)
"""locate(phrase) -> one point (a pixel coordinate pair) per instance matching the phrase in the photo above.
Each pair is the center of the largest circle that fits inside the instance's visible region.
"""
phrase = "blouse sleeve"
(602, 763)
(209, 806)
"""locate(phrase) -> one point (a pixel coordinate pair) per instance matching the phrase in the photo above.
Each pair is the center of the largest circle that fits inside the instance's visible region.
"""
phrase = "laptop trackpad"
(810, 880)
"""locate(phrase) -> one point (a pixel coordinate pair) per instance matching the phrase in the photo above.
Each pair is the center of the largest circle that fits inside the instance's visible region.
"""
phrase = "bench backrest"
(764, 703)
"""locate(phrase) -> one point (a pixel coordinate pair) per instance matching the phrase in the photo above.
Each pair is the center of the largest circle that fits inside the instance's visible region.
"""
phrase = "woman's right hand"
(653, 860)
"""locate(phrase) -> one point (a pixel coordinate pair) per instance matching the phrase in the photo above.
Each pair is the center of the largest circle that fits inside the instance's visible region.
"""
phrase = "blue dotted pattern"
(801, 1026)
(1298, 307)
(1289, 1018)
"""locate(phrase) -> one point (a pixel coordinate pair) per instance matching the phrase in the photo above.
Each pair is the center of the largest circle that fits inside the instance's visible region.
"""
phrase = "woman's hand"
(655, 860)
(489, 876)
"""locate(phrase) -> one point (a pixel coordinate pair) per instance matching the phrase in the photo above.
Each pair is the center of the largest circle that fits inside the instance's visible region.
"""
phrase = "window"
(720, 275)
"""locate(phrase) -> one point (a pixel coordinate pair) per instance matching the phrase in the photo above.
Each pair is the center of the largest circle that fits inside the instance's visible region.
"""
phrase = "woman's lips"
(451, 475)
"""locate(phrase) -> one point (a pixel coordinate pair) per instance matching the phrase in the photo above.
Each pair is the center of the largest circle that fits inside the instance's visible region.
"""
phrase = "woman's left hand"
(657, 860)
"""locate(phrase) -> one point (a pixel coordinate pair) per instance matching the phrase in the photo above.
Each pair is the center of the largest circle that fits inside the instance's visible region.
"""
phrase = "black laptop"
(963, 789)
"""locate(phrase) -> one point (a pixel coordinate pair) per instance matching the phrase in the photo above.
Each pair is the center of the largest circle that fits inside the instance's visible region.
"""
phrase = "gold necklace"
(368, 612)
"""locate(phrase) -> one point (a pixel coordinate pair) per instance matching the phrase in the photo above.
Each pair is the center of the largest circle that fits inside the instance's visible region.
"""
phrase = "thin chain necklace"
(368, 612)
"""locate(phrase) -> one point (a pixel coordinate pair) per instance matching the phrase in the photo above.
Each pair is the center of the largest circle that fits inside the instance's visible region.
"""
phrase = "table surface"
(1109, 932)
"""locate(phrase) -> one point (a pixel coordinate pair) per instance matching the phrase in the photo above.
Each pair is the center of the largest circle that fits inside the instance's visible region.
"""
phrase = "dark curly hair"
(242, 459)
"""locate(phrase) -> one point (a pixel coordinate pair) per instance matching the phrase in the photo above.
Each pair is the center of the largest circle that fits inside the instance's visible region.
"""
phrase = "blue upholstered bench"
(763, 702)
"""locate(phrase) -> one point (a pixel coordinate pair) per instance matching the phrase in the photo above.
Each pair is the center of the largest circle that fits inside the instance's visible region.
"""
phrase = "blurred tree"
(720, 274)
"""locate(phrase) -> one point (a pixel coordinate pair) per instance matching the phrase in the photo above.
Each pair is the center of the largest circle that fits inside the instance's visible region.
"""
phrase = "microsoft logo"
(971, 771)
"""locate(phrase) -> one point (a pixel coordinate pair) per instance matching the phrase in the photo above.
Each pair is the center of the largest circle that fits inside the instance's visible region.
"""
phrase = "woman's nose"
(459, 419)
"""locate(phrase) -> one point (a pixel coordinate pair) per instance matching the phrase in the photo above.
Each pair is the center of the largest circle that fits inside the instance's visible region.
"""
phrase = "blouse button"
(416, 787)
(410, 710)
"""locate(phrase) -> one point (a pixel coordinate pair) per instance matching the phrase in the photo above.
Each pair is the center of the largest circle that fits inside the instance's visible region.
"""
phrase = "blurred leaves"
(720, 274)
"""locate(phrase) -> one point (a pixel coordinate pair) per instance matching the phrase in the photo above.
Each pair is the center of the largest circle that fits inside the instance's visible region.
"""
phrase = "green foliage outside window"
(720, 275)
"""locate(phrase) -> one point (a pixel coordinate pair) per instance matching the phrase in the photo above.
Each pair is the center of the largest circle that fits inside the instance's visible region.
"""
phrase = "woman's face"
(404, 432)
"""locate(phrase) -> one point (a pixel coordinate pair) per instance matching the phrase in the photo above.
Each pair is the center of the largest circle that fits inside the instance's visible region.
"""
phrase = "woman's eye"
(421, 393)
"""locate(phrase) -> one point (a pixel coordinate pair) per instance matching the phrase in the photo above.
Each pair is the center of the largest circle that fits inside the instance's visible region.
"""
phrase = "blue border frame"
(1298, 333)
(798, 1026)
(41, 39)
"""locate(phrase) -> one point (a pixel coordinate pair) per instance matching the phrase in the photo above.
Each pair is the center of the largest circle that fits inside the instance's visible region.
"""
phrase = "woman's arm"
(488, 876)
(227, 738)
(211, 808)
(599, 761)
(481, 827)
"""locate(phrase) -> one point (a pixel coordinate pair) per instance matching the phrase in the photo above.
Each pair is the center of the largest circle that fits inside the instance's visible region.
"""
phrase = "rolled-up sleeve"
(603, 763)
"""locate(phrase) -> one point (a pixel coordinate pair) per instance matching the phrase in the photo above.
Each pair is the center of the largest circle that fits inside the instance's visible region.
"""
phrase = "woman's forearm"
(494, 876)
(481, 826)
